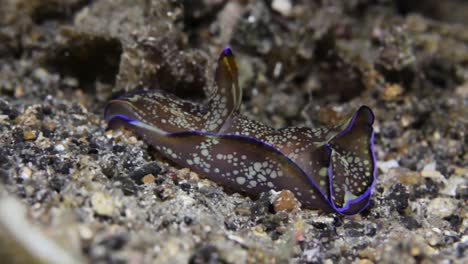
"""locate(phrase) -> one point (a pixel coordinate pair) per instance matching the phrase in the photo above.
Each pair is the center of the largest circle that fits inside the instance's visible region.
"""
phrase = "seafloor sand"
(107, 197)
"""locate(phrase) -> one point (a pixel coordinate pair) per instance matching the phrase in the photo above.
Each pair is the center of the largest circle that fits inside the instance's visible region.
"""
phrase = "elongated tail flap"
(353, 166)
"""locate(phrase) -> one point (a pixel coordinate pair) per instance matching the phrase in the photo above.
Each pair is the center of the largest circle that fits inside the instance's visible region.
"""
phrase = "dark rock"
(5, 108)
(85, 56)
(4, 160)
(157, 63)
(185, 186)
(410, 223)
(261, 206)
(338, 77)
(274, 223)
(461, 249)
(115, 242)
(109, 167)
(314, 252)
(327, 235)
(18, 135)
(92, 151)
(63, 166)
(93, 148)
(166, 222)
(454, 220)
(200, 12)
(275, 235)
(428, 189)
(437, 71)
(57, 183)
(47, 110)
(361, 245)
(326, 229)
(127, 185)
(354, 233)
(319, 225)
(450, 10)
(164, 192)
(414, 157)
(206, 254)
(462, 192)
(230, 225)
(390, 131)
(47, 133)
(148, 168)
(188, 220)
(118, 148)
(255, 37)
(337, 220)
(354, 229)
(128, 164)
(41, 11)
(398, 197)
(4, 176)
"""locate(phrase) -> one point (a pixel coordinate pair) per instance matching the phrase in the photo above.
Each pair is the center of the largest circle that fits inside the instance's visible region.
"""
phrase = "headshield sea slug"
(328, 168)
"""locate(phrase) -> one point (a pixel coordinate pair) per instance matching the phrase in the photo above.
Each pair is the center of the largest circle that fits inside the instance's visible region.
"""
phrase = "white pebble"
(283, 7)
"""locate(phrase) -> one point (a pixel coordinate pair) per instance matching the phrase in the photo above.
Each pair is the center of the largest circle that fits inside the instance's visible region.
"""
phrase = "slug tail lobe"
(353, 164)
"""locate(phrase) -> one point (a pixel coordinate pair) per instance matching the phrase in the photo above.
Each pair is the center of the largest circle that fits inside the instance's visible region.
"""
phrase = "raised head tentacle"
(227, 96)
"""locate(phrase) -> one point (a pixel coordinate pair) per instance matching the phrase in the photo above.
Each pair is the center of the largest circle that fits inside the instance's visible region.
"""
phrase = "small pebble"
(415, 251)
(60, 147)
(3, 118)
(462, 90)
(28, 118)
(102, 204)
(49, 126)
(19, 91)
(148, 169)
(365, 261)
(406, 176)
(148, 178)
(391, 92)
(406, 120)
(330, 115)
(442, 207)
(29, 135)
(41, 74)
(429, 171)
(126, 185)
(453, 184)
(385, 166)
(283, 7)
(164, 192)
(286, 201)
(25, 173)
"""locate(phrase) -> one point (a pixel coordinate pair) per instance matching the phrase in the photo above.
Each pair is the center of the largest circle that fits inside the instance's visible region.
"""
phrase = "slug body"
(328, 168)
